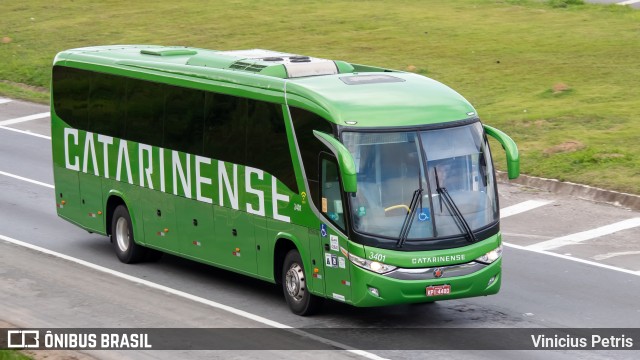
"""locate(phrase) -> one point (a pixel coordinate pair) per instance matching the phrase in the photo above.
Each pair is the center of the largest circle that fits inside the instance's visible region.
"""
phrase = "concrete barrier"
(629, 201)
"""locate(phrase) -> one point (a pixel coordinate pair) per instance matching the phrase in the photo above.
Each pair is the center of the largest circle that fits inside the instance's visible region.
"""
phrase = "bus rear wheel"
(294, 285)
(122, 237)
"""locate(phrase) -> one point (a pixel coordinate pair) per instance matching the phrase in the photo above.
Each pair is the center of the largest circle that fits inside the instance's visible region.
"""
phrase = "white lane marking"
(566, 257)
(522, 207)
(586, 235)
(25, 118)
(188, 296)
(614, 254)
(4, 100)
(26, 179)
(629, 2)
(25, 132)
(528, 236)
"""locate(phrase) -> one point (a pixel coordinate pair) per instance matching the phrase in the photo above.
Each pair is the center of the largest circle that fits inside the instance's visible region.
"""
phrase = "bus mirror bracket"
(510, 147)
(345, 160)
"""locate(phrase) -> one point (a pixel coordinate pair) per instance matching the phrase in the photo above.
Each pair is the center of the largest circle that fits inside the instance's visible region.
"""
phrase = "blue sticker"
(323, 230)
(423, 215)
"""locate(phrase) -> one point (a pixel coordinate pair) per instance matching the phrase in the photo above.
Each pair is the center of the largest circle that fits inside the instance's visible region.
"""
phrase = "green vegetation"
(12, 355)
(560, 76)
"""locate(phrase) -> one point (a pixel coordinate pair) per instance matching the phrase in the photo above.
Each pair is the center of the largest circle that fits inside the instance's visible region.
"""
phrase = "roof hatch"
(168, 52)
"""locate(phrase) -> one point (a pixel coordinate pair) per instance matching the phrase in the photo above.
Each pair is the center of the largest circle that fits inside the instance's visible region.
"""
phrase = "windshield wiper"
(408, 220)
(451, 205)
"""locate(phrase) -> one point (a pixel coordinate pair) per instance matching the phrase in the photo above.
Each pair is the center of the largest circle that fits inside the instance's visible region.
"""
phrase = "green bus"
(361, 184)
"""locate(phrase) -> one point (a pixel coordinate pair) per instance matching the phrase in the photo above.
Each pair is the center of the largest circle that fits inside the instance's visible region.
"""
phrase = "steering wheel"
(399, 206)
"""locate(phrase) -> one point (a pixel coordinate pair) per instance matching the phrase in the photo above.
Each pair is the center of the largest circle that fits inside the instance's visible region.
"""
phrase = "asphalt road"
(631, 3)
(590, 279)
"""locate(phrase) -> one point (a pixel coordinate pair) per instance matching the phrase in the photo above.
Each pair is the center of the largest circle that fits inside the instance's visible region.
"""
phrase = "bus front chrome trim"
(439, 272)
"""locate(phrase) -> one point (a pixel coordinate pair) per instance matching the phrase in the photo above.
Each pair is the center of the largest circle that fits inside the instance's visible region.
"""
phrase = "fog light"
(491, 280)
(374, 291)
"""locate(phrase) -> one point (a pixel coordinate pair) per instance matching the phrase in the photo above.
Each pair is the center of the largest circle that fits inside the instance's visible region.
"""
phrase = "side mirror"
(345, 160)
(510, 147)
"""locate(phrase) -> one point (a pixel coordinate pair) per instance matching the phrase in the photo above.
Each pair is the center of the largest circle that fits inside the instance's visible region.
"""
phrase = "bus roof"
(347, 94)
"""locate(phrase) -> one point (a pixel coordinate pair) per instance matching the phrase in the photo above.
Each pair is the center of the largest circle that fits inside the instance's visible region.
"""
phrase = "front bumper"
(485, 281)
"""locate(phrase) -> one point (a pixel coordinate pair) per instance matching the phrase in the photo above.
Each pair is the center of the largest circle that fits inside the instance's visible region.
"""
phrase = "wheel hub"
(122, 234)
(295, 282)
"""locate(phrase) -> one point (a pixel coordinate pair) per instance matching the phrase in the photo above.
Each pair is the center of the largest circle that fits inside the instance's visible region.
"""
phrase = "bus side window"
(106, 113)
(267, 145)
(330, 194)
(145, 112)
(70, 95)
(184, 120)
(304, 122)
(225, 128)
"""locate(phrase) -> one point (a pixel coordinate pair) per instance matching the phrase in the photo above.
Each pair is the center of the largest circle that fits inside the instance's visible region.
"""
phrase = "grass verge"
(12, 355)
(559, 76)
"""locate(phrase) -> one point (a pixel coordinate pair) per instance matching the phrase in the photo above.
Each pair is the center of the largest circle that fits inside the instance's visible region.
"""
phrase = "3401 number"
(377, 256)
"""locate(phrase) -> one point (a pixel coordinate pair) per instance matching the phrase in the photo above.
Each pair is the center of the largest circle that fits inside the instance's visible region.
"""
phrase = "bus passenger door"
(334, 244)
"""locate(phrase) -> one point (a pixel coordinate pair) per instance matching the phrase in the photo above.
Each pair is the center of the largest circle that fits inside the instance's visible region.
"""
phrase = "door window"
(330, 195)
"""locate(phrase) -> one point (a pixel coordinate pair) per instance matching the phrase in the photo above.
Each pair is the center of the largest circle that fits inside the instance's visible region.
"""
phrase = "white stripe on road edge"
(191, 297)
(614, 254)
(566, 257)
(4, 101)
(522, 207)
(26, 179)
(586, 235)
(25, 132)
(629, 2)
(25, 118)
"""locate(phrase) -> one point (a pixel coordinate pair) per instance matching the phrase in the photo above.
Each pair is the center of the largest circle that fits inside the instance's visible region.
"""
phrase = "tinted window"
(267, 143)
(70, 95)
(304, 122)
(106, 105)
(184, 120)
(225, 128)
(248, 132)
(145, 110)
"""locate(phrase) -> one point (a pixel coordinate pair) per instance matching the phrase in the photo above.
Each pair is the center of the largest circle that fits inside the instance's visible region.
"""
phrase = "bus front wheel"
(294, 283)
(122, 237)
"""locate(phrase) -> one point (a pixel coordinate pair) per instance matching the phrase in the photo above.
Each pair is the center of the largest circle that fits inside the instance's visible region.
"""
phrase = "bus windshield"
(393, 166)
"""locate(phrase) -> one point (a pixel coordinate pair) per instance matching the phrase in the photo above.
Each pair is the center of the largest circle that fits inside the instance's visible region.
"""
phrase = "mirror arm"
(345, 160)
(510, 147)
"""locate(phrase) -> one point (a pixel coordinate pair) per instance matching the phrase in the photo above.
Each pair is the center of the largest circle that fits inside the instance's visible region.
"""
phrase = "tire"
(300, 300)
(122, 237)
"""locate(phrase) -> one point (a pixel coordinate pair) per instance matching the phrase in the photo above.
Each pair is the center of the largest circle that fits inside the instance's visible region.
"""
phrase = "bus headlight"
(491, 256)
(370, 265)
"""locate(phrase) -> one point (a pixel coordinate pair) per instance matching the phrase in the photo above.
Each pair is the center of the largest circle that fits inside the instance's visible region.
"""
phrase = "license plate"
(438, 290)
